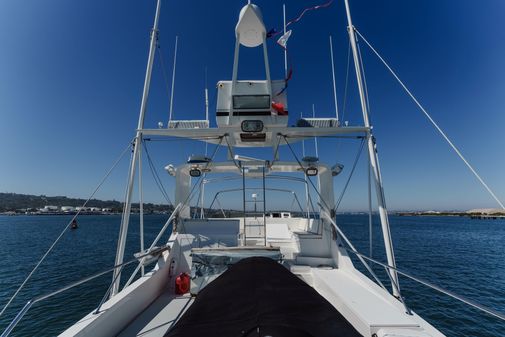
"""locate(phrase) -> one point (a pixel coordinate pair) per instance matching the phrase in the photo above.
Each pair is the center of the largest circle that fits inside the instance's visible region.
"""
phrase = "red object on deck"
(279, 107)
(182, 283)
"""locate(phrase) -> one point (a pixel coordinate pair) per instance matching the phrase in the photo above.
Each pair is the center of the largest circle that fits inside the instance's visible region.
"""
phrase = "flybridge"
(264, 100)
(252, 113)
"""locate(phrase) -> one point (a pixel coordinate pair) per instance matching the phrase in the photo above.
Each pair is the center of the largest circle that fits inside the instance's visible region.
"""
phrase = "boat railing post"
(372, 152)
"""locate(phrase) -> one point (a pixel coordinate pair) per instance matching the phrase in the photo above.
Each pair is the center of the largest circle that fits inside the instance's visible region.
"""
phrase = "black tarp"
(259, 297)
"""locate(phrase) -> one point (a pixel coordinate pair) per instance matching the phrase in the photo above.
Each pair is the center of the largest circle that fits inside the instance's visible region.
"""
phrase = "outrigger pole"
(374, 160)
(125, 219)
(285, 50)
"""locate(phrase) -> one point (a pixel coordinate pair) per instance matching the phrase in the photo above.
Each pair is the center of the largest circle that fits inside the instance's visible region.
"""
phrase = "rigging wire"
(230, 151)
(301, 166)
(442, 133)
(344, 105)
(365, 86)
(173, 80)
(156, 177)
(67, 226)
(200, 179)
(125, 194)
(360, 150)
(333, 79)
(163, 69)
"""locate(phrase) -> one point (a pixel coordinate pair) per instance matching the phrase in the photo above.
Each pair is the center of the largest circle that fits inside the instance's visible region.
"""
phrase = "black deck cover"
(259, 297)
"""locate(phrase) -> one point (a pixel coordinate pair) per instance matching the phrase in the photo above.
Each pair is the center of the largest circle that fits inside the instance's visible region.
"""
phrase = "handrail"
(34, 300)
(449, 293)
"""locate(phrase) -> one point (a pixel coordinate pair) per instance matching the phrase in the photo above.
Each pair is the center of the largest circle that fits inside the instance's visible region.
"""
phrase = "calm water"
(462, 255)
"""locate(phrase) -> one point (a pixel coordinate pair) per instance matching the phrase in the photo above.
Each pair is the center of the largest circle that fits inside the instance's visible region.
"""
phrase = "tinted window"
(251, 102)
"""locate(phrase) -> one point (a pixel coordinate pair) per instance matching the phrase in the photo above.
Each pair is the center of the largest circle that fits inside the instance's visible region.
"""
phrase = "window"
(251, 102)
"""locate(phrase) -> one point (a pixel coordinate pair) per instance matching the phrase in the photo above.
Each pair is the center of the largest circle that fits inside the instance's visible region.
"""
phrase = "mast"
(374, 159)
(123, 231)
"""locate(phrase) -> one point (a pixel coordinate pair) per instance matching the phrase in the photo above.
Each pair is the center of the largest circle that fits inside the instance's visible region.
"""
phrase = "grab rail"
(449, 293)
(31, 302)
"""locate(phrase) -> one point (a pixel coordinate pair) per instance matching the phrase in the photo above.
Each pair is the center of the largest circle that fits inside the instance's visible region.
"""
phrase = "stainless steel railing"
(31, 302)
(449, 293)
(388, 268)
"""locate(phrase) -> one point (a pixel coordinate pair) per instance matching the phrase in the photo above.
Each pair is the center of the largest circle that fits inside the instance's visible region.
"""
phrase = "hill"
(14, 202)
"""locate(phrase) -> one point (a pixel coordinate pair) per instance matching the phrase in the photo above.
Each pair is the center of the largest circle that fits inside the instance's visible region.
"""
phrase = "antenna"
(316, 147)
(206, 113)
(334, 84)
(303, 141)
(285, 50)
(206, 98)
(315, 138)
(173, 80)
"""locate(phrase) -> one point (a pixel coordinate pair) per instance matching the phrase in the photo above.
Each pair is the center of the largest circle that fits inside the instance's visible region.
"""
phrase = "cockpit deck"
(354, 299)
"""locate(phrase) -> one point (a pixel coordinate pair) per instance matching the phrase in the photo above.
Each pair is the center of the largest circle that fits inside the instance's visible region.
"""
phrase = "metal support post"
(141, 207)
(372, 152)
(264, 207)
(138, 141)
(244, 201)
(370, 223)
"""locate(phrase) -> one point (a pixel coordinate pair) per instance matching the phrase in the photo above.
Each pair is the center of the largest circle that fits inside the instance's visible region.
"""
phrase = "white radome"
(250, 28)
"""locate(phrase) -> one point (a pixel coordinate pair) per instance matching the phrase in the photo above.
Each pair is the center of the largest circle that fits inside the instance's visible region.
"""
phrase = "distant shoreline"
(74, 213)
(472, 215)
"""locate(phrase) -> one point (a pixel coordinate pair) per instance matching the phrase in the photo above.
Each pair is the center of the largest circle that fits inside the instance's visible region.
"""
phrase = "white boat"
(261, 272)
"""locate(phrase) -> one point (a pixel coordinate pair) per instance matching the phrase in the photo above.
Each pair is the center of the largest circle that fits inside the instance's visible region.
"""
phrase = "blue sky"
(71, 76)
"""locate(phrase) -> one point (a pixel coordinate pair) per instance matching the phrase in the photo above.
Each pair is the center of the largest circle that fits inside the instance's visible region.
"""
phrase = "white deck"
(159, 317)
(366, 306)
(315, 258)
